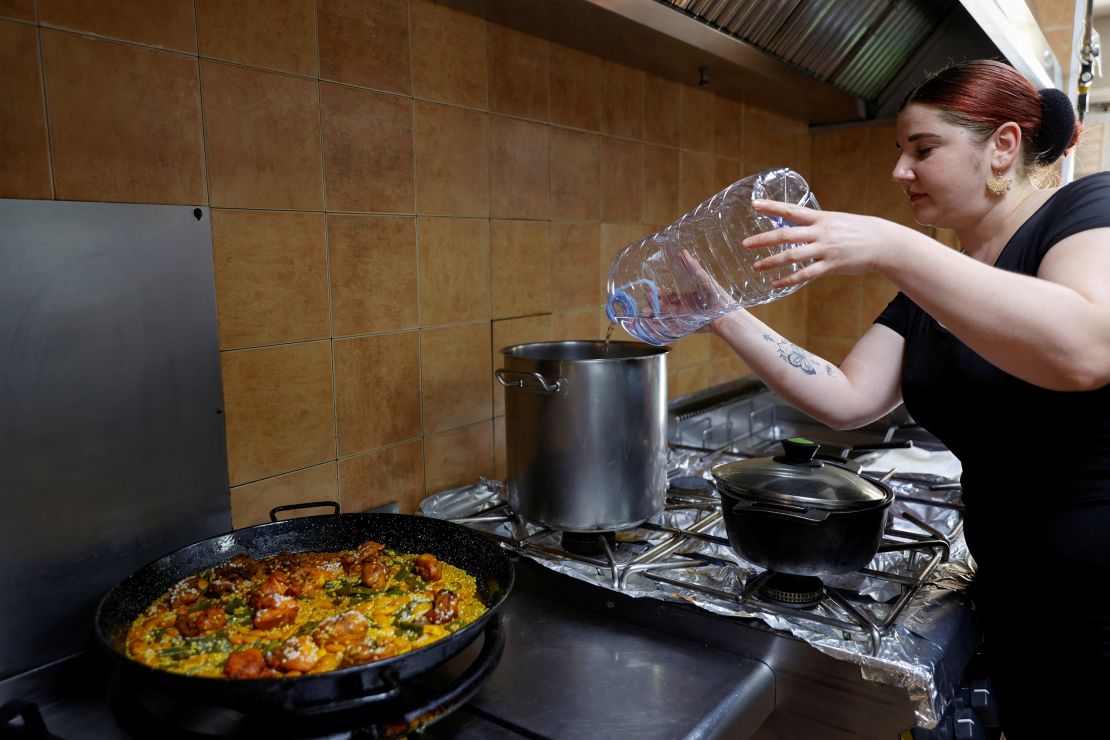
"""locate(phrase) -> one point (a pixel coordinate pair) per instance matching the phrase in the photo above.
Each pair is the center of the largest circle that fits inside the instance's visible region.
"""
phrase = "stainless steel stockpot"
(586, 433)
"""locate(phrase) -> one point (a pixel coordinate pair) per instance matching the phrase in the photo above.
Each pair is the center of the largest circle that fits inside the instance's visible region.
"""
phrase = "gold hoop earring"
(998, 184)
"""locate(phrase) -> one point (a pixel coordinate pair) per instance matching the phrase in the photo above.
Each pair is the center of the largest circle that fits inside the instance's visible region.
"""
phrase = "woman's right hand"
(830, 242)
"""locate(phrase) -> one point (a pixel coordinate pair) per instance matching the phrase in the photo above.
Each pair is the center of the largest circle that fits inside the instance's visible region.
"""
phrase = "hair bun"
(1057, 125)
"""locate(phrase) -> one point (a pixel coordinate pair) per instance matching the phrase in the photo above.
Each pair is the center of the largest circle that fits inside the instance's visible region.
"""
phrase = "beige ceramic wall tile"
(575, 175)
(381, 477)
(165, 23)
(517, 73)
(661, 204)
(365, 43)
(569, 326)
(452, 161)
(836, 300)
(697, 180)
(124, 122)
(719, 348)
(271, 277)
(727, 370)
(875, 293)
(251, 503)
(278, 409)
(24, 156)
(789, 142)
(622, 180)
(754, 139)
(1060, 41)
(458, 457)
(501, 464)
(662, 111)
(691, 350)
(698, 119)
(520, 256)
(687, 380)
(574, 265)
(454, 270)
(837, 151)
(728, 127)
(507, 333)
(368, 147)
(576, 87)
(377, 398)
(262, 135)
(623, 102)
(373, 270)
(448, 55)
(518, 169)
(455, 376)
(880, 148)
(843, 191)
(1053, 13)
(275, 34)
(23, 10)
(725, 172)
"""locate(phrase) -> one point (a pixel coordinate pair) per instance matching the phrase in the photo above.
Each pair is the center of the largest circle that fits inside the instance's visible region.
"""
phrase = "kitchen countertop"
(568, 673)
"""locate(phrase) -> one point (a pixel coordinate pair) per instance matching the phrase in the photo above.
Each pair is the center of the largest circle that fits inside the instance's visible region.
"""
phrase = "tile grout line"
(417, 225)
(46, 106)
(327, 261)
(203, 129)
(489, 245)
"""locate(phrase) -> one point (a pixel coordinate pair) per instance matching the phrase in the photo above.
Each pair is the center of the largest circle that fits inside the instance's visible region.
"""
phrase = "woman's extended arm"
(1052, 330)
(865, 386)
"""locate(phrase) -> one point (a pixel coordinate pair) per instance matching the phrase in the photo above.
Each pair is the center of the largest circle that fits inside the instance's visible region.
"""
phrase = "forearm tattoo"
(794, 355)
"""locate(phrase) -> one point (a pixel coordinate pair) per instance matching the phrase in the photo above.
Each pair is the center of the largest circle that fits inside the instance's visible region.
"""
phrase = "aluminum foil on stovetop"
(907, 655)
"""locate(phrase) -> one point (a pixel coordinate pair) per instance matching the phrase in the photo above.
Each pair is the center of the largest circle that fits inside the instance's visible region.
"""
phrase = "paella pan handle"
(334, 505)
(391, 690)
(463, 687)
(531, 382)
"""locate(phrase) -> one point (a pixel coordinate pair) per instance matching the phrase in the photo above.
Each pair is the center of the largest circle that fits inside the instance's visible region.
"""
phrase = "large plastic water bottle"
(658, 294)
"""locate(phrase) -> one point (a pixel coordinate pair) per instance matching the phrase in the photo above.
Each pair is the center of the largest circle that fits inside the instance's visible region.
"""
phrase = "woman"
(1004, 342)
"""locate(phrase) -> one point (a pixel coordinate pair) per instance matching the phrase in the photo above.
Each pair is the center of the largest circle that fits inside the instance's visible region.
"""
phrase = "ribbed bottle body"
(659, 295)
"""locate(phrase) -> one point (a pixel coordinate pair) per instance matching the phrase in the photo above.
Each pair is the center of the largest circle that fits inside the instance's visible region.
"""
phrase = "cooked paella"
(303, 613)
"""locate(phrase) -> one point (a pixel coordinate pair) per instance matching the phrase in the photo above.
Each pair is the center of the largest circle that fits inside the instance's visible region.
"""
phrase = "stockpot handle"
(785, 510)
(521, 380)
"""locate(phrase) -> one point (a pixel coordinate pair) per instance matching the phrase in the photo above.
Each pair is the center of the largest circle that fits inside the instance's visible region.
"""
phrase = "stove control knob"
(984, 703)
(966, 726)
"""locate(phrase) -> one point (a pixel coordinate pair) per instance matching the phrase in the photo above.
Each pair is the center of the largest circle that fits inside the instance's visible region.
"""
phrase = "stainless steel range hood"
(826, 61)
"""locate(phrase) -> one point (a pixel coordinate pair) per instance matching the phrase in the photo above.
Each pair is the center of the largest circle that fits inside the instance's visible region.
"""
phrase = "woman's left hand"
(828, 242)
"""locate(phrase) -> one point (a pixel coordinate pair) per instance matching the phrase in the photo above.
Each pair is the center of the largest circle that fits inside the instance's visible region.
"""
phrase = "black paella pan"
(352, 686)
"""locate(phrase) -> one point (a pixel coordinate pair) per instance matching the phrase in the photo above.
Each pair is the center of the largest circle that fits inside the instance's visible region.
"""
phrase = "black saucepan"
(796, 514)
(347, 687)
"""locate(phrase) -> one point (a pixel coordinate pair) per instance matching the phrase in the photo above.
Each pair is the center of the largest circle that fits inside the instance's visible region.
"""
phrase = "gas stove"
(903, 622)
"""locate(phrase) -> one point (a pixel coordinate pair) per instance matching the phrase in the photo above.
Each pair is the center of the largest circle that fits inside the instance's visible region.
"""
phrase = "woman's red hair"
(982, 95)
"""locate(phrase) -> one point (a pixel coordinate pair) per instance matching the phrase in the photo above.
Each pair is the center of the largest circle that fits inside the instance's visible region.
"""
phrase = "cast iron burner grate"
(803, 592)
(690, 484)
(587, 543)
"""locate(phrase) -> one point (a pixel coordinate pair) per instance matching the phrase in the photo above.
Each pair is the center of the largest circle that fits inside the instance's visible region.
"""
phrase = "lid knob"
(799, 451)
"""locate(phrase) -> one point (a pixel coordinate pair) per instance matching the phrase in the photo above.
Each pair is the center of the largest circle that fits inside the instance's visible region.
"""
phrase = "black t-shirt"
(1025, 450)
